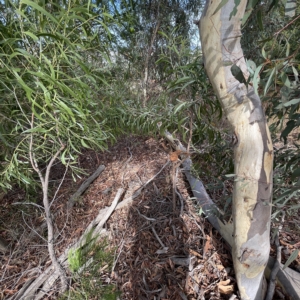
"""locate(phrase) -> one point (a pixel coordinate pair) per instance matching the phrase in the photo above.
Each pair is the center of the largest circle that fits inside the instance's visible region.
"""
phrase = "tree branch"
(45, 185)
(84, 186)
(276, 267)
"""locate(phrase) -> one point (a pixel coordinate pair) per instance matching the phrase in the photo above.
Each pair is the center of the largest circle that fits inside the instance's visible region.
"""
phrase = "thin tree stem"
(45, 185)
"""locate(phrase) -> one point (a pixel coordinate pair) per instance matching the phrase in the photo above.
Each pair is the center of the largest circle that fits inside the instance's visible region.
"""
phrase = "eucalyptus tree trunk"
(220, 31)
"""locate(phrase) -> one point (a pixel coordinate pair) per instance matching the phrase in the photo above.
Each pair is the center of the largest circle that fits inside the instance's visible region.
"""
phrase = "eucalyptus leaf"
(292, 258)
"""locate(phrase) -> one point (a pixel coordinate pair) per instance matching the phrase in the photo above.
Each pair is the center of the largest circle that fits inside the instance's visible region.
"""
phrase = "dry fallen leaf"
(193, 252)
(208, 245)
(224, 288)
(174, 156)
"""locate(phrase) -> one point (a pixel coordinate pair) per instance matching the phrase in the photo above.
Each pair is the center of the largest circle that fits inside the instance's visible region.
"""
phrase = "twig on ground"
(208, 206)
(116, 260)
(181, 202)
(77, 194)
(148, 219)
(29, 203)
(32, 229)
(175, 166)
(84, 186)
(111, 209)
(157, 237)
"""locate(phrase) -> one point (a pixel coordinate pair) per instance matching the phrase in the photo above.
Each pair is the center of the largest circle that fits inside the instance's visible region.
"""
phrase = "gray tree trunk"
(220, 33)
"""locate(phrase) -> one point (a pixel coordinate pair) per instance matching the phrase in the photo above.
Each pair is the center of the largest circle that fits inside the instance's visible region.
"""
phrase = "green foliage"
(74, 259)
(87, 265)
(273, 64)
(48, 84)
(60, 87)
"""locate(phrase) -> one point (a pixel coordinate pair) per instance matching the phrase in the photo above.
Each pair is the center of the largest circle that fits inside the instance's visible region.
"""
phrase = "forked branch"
(45, 185)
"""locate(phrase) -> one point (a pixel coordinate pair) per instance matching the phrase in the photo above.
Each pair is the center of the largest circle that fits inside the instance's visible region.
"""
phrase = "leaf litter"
(159, 253)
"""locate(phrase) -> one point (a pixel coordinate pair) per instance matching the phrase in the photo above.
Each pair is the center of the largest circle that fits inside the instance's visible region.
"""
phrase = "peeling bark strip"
(220, 32)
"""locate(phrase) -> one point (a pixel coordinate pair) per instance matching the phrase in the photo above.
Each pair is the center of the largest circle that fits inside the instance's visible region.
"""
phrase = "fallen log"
(287, 278)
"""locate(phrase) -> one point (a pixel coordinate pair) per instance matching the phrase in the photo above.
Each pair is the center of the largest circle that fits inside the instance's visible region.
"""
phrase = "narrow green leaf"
(285, 79)
(178, 107)
(27, 89)
(63, 157)
(294, 207)
(293, 257)
(292, 102)
(39, 8)
(288, 46)
(83, 143)
(66, 108)
(164, 34)
(25, 179)
(259, 19)
(36, 129)
(270, 79)
(187, 84)
(33, 36)
(256, 78)
(223, 2)
(251, 66)
(250, 6)
(263, 52)
(296, 74)
(182, 79)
